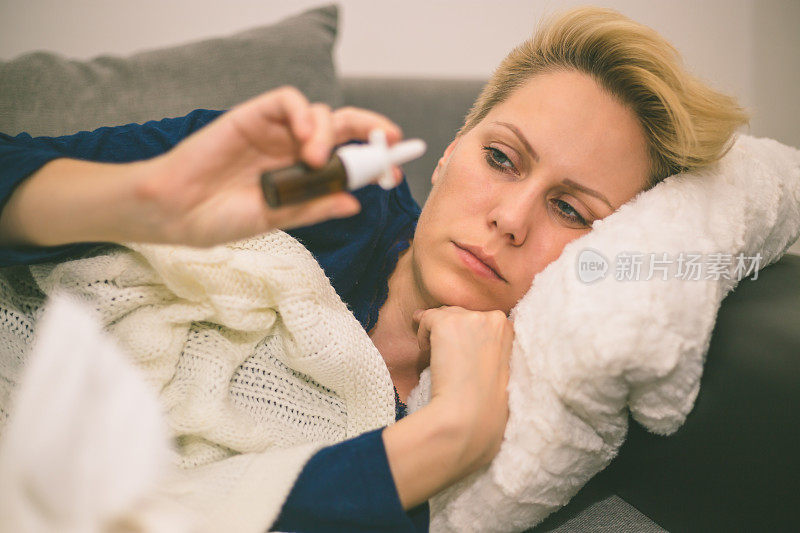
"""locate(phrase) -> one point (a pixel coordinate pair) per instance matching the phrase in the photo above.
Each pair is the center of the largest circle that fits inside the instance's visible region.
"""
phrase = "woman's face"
(533, 175)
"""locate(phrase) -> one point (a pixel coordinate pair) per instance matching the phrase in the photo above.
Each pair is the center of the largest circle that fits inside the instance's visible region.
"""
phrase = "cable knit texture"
(258, 362)
(252, 353)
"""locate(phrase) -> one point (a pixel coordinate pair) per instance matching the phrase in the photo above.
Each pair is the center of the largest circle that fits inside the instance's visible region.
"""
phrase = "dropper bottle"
(351, 167)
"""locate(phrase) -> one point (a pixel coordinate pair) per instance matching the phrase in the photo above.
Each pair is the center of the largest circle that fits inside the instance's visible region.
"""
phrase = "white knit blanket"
(258, 363)
(256, 360)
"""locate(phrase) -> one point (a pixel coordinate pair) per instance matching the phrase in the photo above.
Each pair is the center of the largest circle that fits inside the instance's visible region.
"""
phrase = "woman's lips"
(475, 264)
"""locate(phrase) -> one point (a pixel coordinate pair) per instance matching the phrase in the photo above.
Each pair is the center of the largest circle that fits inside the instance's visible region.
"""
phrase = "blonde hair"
(687, 124)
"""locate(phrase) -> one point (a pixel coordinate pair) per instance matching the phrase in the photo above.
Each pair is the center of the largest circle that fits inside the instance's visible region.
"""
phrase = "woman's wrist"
(427, 452)
(69, 201)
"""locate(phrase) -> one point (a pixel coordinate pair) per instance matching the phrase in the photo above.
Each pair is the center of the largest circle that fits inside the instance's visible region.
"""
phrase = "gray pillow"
(46, 94)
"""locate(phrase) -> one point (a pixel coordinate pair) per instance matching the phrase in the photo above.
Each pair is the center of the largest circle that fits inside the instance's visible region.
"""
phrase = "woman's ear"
(443, 160)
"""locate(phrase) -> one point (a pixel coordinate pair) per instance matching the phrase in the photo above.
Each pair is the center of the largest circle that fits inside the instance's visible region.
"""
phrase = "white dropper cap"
(364, 163)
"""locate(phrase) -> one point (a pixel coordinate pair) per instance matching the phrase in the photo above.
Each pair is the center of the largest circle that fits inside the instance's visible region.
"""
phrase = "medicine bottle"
(350, 167)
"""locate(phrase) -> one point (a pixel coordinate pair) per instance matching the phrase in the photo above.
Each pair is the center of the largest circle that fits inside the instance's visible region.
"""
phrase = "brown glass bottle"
(300, 182)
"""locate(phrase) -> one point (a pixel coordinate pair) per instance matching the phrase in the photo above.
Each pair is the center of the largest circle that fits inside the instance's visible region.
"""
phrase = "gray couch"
(733, 464)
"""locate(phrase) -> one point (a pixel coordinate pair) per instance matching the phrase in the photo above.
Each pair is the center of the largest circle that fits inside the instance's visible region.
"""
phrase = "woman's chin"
(457, 291)
(443, 282)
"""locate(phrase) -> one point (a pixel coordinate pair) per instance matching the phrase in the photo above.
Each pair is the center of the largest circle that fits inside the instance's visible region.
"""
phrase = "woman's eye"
(568, 213)
(497, 159)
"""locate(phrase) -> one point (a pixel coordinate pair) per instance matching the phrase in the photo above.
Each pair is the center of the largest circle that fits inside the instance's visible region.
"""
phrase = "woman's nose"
(515, 213)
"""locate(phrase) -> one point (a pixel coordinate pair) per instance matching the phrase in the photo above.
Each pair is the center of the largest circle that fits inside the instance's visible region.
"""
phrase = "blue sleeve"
(22, 155)
(349, 487)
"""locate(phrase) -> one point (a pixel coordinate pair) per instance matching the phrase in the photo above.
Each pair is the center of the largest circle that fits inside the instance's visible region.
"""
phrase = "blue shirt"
(347, 486)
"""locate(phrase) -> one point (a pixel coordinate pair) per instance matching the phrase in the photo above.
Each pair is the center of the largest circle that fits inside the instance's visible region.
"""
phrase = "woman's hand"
(461, 428)
(469, 362)
(207, 189)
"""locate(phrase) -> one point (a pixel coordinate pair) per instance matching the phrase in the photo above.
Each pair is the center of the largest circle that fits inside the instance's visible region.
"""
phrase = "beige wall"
(750, 48)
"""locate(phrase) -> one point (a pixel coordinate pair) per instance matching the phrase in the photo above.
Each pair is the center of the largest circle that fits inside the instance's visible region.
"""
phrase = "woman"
(574, 123)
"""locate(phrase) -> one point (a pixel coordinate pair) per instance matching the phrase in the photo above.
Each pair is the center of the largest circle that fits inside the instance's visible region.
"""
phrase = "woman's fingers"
(336, 205)
(314, 125)
(314, 128)
(317, 150)
(427, 318)
(424, 328)
(287, 104)
(356, 123)
(275, 122)
(284, 127)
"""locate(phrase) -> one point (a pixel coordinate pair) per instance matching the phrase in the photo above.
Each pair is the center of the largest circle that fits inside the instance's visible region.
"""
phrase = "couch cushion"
(46, 94)
(609, 515)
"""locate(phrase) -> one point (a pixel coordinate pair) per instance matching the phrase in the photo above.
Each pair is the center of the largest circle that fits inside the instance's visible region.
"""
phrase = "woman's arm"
(351, 486)
(461, 429)
(382, 480)
(44, 178)
(203, 191)
(70, 201)
(427, 452)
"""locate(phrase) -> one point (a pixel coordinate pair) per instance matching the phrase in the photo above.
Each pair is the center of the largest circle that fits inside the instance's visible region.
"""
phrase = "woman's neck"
(395, 334)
